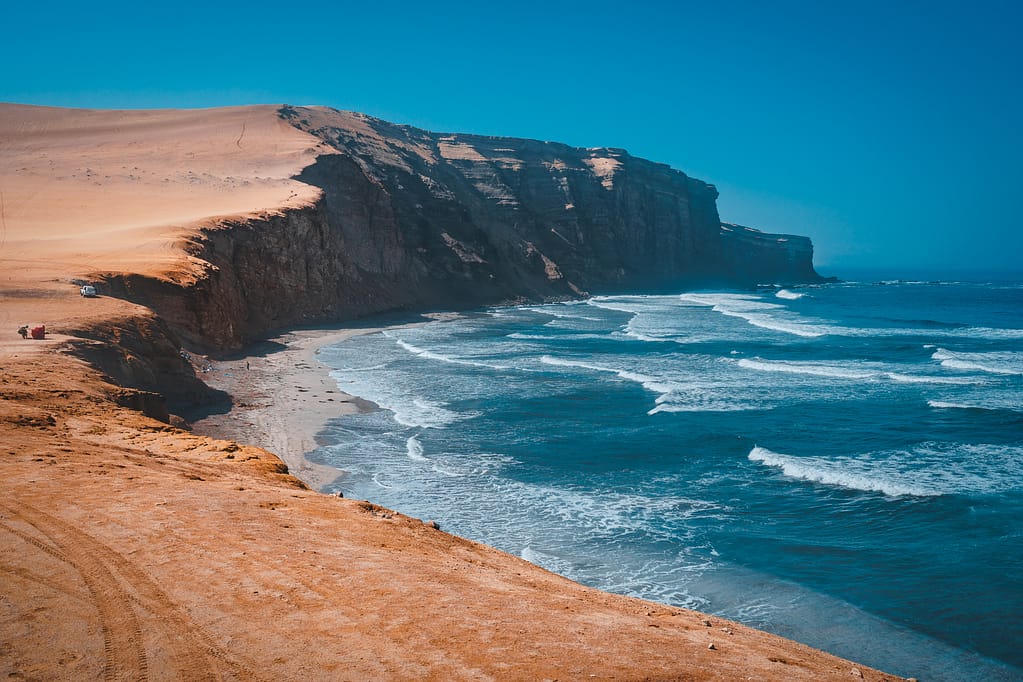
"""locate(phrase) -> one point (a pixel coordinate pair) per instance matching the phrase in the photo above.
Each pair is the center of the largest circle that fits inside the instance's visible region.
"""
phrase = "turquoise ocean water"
(840, 464)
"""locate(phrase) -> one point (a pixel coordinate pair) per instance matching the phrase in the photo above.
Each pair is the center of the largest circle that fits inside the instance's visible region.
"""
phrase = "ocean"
(841, 464)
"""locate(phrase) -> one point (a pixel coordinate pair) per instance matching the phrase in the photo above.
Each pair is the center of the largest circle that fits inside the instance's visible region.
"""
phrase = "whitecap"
(998, 362)
(561, 311)
(788, 295)
(834, 472)
(616, 306)
(415, 449)
(651, 384)
(431, 355)
(853, 371)
(924, 470)
(376, 479)
(424, 413)
(755, 312)
(946, 405)
(818, 369)
(700, 406)
(928, 379)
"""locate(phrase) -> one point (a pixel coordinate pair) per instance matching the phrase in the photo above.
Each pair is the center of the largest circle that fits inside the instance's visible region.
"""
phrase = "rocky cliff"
(751, 256)
(408, 219)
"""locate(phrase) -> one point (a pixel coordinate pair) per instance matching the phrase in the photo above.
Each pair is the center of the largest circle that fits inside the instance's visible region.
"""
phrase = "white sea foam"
(756, 312)
(439, 357)
(561, 311)
(558, 337)
(1003, 362)
(852, 371)
(415, 449)
(374, 368)
(445, 471)
(631, 333)
(768, 322)
(788, 295)
(988, 333)
(621, 307)
(834, 472)
(818, 369)
(376, 479)
(924, 470)
(929, 379)
(606, 512)
(529, 555)
(545, 560)
(426, 414)
(989, 401)
(672, 395)
(946, 405)
(652, 384)
(691, 405)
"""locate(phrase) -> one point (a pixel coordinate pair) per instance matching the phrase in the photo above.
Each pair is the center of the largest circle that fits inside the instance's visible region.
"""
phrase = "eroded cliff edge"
(409, 219)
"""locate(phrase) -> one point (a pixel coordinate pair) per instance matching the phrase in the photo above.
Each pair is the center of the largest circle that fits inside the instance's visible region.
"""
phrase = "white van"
(88, 291)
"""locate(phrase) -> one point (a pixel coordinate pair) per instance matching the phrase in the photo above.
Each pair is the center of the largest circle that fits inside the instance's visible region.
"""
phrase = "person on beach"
(23, 330)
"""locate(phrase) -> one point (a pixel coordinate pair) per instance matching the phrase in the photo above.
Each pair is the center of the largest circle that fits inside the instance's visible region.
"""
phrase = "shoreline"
(283, 396)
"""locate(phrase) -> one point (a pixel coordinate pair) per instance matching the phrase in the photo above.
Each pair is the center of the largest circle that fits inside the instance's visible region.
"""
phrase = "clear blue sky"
(889, 132)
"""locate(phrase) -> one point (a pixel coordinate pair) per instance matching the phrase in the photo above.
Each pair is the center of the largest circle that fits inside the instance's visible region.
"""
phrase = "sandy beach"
(283, 396)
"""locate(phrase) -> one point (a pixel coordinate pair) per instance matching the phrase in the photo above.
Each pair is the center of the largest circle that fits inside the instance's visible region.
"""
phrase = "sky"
(888, 132)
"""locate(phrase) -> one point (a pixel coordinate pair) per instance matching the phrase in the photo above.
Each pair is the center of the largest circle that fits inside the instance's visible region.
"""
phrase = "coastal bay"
(132, 547)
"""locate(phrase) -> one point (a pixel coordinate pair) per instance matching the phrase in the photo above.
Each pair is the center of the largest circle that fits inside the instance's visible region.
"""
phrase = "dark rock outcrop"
(409, 219)
(750, 256)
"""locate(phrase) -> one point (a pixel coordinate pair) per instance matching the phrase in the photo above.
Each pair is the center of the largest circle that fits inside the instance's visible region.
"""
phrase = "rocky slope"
(411, 219)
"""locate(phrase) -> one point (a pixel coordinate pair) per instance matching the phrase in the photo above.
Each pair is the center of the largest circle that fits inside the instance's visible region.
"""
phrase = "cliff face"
(516, 217)
(752, 256)
(409, 219)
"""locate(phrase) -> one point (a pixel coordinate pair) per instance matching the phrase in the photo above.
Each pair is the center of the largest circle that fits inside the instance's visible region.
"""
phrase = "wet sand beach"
(283, 396)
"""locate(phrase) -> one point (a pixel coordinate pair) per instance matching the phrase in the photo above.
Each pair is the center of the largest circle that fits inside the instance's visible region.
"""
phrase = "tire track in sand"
(194, 653)
(123, 653)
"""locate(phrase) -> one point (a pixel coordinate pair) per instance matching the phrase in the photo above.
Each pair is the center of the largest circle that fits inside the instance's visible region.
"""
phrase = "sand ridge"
(121, 191)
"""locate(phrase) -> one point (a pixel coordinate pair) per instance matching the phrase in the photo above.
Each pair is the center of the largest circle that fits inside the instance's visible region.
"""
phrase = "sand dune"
(118, 191)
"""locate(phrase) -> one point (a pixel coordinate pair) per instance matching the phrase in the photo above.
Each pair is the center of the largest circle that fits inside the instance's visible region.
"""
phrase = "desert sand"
(132, 549)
